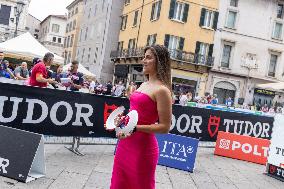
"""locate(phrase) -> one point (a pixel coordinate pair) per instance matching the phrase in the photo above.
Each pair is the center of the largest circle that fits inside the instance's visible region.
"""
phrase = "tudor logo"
(213, 125)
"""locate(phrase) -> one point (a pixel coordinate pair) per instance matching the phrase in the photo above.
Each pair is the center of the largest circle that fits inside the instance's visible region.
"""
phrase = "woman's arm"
(164, 106)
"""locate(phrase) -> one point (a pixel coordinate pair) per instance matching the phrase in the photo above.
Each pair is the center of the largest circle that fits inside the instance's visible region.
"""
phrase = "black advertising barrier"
(64, 113)
(205, 123)
(56, 112)
(21, 154)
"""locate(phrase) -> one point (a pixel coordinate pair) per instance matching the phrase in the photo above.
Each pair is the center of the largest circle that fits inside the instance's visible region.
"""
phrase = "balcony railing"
(177, 55)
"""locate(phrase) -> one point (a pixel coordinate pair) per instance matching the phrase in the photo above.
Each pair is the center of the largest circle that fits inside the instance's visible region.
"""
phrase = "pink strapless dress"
(136, 157)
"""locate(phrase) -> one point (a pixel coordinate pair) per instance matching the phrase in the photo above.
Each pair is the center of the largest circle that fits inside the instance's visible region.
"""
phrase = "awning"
(272, 86)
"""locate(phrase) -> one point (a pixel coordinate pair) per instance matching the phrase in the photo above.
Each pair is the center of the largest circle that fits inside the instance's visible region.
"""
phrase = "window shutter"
(125, 21)
(185, 13)
(216, 15)
(210, 52)
(152, 12)
(148, 40)
(202, 17)
(159, 9)
(197, 48)
(122, 19)
(181, 43)
(167, 39)
(130, 40)
(155, 36)
(172, 9)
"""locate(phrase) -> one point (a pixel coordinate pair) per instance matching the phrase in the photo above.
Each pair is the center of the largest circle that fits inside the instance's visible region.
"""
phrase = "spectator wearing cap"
(39, 72)
(22, 72)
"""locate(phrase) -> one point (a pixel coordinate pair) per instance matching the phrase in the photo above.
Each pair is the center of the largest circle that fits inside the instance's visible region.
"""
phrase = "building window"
(103, 5)
(135, 18)
(208, 18)
(131, 43)
(36, 30)
(59, 40)
(174, 42)
(90, 10)
(54, 39)
(126, 2)
(67, 27)
(55, 28)
(5, 12)
(81, 34)
(151, 40)
(96, 8)
(36, 36)
(277, 31)
(120, 46)
(83, 54)
(86, 33)
(70, 26)
(178, 11)
(280, 10)
(71, 41)
(156, 9)
(76, 10)
(202, 52)
(74, 24)
(68, 41)
(89, 55)
(123, 22)
(272, 65)
(226, 55)
(234, 3)
(231, 19)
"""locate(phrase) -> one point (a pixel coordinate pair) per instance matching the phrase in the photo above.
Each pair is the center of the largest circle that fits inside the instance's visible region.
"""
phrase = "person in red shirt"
(39, 72)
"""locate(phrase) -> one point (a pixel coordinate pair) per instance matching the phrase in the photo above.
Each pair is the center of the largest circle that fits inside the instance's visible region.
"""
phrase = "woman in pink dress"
(137, 153)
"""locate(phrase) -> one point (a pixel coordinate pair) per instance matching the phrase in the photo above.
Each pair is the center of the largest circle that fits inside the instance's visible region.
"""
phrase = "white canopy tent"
(272, 86)
(81, 69)
(26, 45)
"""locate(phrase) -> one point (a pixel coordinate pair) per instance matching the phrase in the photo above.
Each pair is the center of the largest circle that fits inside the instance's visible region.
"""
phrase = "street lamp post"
(18, 10)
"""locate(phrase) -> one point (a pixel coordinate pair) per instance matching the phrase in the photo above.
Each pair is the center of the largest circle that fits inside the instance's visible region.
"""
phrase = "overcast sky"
(42, 8)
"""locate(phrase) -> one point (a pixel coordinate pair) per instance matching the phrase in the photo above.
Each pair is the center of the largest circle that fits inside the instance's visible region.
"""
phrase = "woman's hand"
(121, 135)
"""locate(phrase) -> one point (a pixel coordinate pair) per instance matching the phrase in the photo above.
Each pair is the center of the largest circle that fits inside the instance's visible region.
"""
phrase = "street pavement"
(66, 170)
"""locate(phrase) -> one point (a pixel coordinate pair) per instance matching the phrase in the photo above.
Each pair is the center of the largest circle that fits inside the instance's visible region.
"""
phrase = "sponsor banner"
(66, 113)
(177, 151)
(275, 171)
(21, 154)
(276, 149)
(204, 124)
(56, 112)
(242, 147)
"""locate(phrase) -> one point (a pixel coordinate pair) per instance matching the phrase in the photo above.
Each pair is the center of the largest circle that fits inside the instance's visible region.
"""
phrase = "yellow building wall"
(190, 30)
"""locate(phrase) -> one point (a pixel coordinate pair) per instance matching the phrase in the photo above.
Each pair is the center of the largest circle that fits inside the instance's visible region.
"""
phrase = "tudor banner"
(65, 113)
(205, 123)
(56, 112)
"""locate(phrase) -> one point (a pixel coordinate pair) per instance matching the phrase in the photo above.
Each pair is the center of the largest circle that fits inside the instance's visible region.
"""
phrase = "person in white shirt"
(183, 99)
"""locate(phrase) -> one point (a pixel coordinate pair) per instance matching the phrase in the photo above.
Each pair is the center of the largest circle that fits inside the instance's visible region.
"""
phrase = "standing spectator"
(119, 88)
(22, 72)
(183, 99)
(76, 77)
(265, 108)
(130, 89)
(229, 102)
(39, 72)
(109, 87)
(214, 100)
(58, 74)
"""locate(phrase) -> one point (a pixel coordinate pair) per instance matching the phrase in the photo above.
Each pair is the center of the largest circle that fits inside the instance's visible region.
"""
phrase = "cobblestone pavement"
(68, 171)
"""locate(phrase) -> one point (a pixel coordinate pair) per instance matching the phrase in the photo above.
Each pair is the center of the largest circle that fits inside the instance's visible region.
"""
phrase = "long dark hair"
(163, 64)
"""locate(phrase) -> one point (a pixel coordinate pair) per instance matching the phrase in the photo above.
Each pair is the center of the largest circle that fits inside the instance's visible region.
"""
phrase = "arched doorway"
(224, 89)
